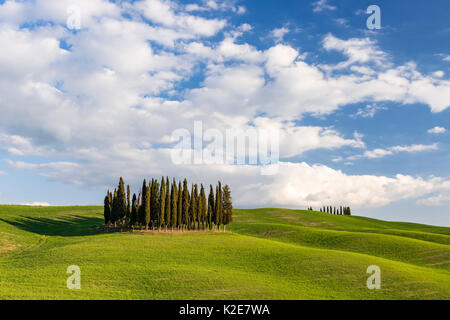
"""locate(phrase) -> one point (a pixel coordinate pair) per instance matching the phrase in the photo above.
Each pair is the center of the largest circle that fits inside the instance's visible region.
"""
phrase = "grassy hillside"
(266, 254)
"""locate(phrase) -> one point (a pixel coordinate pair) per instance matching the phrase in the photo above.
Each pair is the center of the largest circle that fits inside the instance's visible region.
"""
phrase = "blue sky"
(364, 114)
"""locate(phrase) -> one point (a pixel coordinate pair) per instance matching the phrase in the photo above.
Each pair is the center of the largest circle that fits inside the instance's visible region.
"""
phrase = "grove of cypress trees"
(227, 207)
(165, 204)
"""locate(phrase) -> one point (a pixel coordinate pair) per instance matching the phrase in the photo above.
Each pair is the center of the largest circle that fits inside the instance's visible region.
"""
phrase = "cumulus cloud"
(437, 130)
(279, 33)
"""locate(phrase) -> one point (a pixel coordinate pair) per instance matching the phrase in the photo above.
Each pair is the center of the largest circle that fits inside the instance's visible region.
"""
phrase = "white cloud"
(368, 112)
(279, 33)
(163, 12)
(341, 21)
(438, 74)
(357, 50)
(437, 130)
(381, 153)
(441, 199)
(445, 57)
(322, 5)
(37, 204)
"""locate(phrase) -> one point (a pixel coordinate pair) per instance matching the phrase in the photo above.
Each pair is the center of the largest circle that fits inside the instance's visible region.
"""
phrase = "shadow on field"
(68, 226)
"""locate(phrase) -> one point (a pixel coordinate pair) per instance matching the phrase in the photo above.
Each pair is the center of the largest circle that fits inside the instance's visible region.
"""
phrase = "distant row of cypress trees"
(164, 205)
(346, 211)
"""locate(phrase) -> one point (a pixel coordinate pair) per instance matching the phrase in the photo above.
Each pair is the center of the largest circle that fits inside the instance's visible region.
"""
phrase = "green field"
(265, 254)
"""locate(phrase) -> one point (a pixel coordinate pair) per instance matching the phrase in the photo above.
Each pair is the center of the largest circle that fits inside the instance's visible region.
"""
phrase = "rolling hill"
(265, 254)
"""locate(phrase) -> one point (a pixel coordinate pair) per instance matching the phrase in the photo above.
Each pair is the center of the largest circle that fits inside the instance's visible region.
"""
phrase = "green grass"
(265, 254)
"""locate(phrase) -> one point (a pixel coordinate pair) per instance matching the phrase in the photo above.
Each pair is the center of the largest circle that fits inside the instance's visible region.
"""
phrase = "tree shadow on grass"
(66, 226)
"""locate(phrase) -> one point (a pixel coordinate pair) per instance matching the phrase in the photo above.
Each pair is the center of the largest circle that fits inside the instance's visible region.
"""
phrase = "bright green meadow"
(265, 254)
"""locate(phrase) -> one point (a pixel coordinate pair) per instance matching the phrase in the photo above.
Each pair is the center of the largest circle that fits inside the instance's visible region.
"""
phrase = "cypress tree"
(142, 209)
(154, 207)
(211, 212)
(168, 204)
(202, 206)
(147, 207)
(218, 206)
(185, 213)
(139, 201)
(134, 211)
(128, 204)
(180, 206)
(114, 208)
(174, 202)
(122, 201)
(107, 209)
(195, 209)
(227, 207)
(162, 204)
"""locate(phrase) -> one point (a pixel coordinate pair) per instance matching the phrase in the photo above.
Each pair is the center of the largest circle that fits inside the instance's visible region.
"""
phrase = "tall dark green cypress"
(114, 208)
(162, 204)
(168, 205)
(180, 206)
(134, 211)
(218, 206)
(107, 209)
(211, 212)
(174, 202)
(154, 202)
(128, 204)
(142, 208)
(122, 201)
(191, 208)
(195, 211)
(148, 209)
(202, 206)
(186, 200)
(227, 207)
